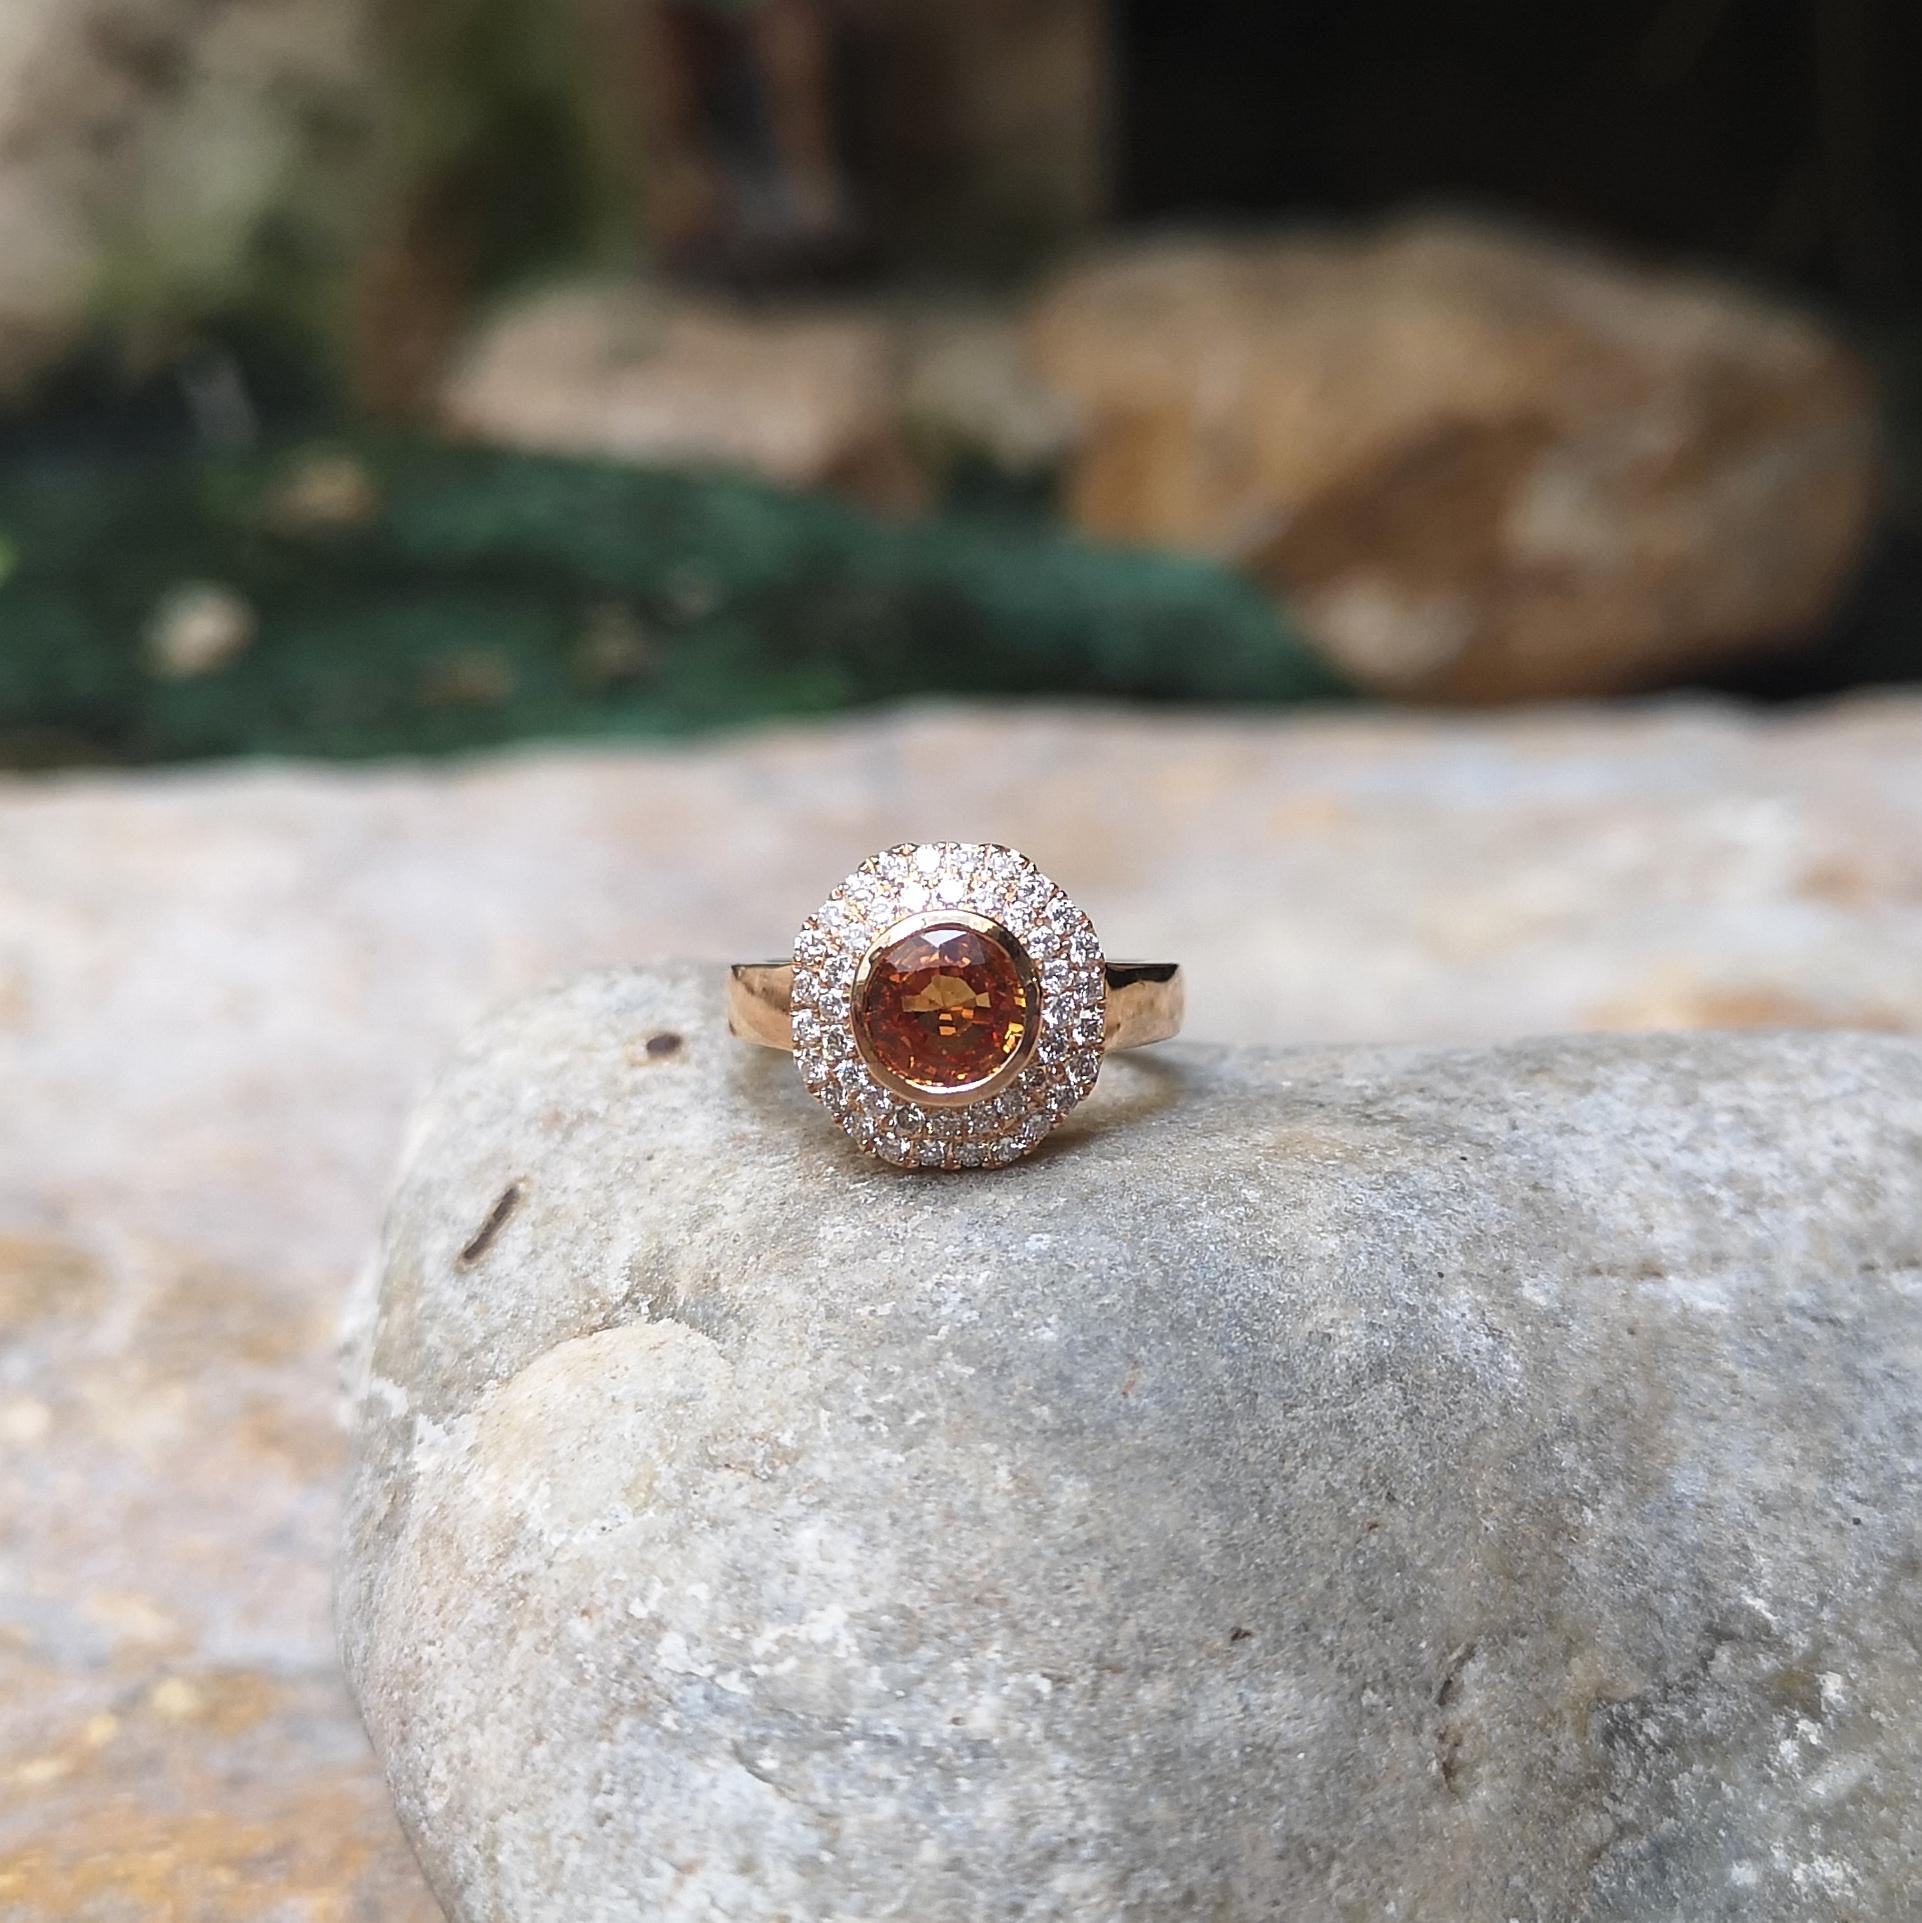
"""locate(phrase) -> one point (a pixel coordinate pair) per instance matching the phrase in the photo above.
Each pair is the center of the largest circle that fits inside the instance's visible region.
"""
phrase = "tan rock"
(198, 628)
(969, 393)
(802, 397)
(173, 1739)
(1479, 466)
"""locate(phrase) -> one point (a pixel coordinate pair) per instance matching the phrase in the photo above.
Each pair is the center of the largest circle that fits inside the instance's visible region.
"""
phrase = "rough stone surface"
(969, 393)
(226, 987)
(1479, 466)
(805, 397)
(175, 1745)
(1467, 1484)
(882, 400)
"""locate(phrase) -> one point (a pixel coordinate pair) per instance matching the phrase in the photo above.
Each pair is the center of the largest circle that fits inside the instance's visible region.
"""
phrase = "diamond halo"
(1063, 978)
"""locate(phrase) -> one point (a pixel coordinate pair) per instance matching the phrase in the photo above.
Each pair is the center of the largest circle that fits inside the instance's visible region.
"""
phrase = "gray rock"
(1467, 1485)
(229, 983)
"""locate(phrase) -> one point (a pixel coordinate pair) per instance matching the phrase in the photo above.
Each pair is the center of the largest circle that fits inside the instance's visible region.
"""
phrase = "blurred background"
(1411, 509)
(395, 375)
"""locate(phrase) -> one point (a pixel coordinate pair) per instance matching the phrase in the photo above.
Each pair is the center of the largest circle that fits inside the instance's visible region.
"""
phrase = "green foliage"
(472, 597)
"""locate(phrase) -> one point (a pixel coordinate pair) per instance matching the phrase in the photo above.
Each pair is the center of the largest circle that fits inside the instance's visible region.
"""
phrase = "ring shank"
(1144, 1003)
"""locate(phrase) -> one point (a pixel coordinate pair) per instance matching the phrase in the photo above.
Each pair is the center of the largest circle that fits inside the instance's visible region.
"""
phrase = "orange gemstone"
(943, 1008)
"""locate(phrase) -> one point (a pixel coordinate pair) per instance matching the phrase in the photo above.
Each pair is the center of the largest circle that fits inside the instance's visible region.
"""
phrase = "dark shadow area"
(1770, 136)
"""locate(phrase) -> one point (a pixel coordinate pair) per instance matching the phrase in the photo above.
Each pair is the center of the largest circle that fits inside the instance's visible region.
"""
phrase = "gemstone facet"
(865, 1073)
(946, 1005)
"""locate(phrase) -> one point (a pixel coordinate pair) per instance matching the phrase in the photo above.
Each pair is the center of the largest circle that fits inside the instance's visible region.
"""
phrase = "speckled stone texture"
(1342, 1485)
(221, 990)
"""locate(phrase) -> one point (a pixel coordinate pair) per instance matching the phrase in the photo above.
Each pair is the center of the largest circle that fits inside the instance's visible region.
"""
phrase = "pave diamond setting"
(949, 1005)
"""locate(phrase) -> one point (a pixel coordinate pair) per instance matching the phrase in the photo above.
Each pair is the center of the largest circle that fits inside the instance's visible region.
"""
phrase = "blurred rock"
(225, 986)
(165, 158)
(801, 396)
(324, 492)
(881, 401)
(197, 629)
(174, 1739)
(970, 395)
(1479, 466)
(1459, 1484)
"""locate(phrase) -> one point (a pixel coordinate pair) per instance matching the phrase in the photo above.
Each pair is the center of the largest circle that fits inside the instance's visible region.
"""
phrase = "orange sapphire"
(944, 1006)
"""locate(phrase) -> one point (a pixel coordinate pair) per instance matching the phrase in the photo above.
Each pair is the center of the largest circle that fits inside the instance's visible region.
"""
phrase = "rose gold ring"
(948, 1005)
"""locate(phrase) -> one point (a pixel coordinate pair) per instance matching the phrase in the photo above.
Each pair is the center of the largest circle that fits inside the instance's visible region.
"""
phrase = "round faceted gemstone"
(945, 1006)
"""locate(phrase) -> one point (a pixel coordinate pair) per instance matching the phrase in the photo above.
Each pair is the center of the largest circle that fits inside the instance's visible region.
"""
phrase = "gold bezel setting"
(1005, 1072)
(997, 891)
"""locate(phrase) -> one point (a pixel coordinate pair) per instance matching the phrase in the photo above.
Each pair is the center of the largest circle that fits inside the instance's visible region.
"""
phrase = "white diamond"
(912, 879)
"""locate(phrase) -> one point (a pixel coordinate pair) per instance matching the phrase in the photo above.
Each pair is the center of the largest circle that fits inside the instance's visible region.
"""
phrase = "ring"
(948, 1004)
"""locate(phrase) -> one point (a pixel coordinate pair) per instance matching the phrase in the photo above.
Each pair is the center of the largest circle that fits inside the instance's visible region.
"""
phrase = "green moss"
(492, 596)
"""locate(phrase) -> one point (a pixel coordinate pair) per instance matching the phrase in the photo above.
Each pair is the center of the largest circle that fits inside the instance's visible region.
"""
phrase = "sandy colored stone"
(221, 989)
(803, 396)
(174, 1742)
(1479, 466)
(1326, 1485)
(969, 394)
(885, 401)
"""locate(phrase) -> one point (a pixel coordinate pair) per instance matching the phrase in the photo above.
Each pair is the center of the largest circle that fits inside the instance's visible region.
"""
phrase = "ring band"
(1145, 1003)
(948, 1004)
